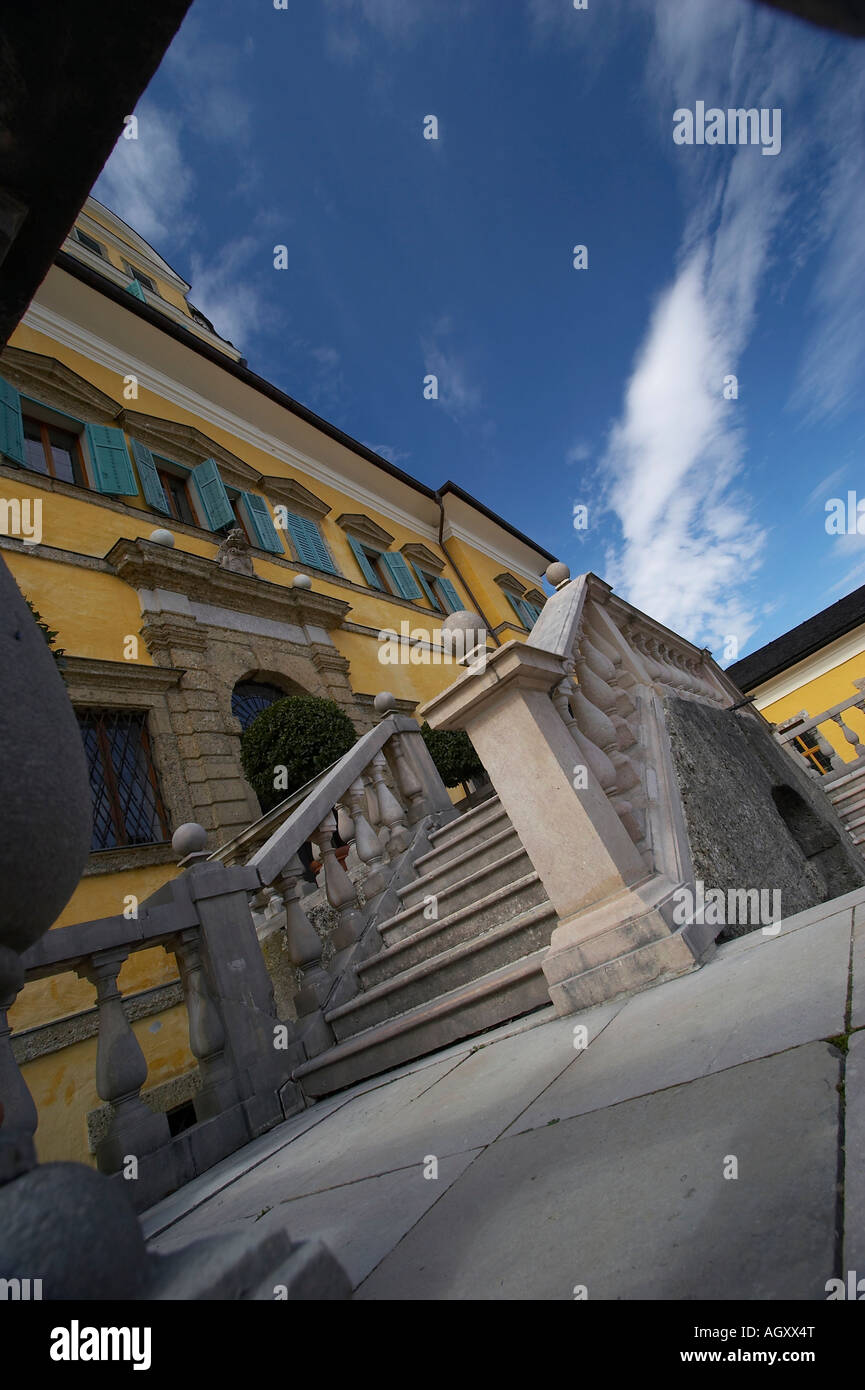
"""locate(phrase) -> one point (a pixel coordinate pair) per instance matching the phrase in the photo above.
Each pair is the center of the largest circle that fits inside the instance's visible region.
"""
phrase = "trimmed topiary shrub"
(454, 755)
(292, 741)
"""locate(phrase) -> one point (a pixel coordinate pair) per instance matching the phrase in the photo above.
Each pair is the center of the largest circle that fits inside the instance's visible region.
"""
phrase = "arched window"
(249, 698)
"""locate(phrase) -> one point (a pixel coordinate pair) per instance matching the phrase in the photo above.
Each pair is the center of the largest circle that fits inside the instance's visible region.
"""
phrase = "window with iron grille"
(127, 804)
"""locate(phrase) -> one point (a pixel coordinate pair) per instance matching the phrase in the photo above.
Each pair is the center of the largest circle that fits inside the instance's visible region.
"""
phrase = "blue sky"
(304, 127)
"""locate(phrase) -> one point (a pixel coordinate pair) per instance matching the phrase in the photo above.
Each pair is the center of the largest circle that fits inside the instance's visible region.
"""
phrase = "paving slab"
(360, 1222)
(857, 1013)
(266, 1155)
(747, 1002)
(854, 1161)
(631, 1202)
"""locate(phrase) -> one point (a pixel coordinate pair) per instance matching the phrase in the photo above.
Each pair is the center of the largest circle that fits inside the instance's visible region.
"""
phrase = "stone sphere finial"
(190, 838)
(557, 574)
(464, 620)
(301, 581)
(384, 702)
(162, 537)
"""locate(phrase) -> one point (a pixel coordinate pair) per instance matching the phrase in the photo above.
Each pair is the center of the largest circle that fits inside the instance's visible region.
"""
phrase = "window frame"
(167, 468)
(96, 713)
(77, 454)
(145, 281)
(97, 249)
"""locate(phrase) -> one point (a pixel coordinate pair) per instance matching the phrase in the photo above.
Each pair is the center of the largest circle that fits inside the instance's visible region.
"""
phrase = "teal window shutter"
(11, 424)
(112, 466)
(217, 509)
(135, 288)
(151, 486)
(452, 600)
(404, 581)
(262, 525)
(517, 606)
(430, 596)
(366, 568)
(308, 543)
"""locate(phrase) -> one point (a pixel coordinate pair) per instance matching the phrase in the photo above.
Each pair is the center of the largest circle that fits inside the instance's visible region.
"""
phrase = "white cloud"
(690, 541)
(147, 181)
(457, 394)
(235, 306)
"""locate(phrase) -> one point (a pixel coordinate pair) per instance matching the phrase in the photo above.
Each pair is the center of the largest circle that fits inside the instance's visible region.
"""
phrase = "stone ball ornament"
(162, 537)
(384, 702)
(44, 786)
(190, 838)
(557, 574)
(301, 581)
(463, 633)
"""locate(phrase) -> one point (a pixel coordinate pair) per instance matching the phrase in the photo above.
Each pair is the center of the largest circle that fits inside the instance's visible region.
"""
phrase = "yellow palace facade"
(124, 415)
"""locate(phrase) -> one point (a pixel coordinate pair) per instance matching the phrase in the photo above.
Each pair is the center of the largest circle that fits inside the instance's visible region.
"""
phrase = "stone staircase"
(462, 955)
(847, 795)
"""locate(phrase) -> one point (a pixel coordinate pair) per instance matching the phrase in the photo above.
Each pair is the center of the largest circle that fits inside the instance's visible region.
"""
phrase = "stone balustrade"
(804, 738)
(571, 728)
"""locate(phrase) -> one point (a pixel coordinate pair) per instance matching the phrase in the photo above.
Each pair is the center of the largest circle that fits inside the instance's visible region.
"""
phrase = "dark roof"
(259, 383)
(809, 637)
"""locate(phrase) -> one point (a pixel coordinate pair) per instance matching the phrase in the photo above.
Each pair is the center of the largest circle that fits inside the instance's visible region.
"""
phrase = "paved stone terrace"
(601, 1167)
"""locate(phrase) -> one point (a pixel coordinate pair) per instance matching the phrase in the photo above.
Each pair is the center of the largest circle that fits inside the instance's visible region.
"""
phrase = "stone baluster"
(850, 734)
(339, 888)
(370, 850)
(598, 662)
(391, 812)
(593, 757)
(597, 726)
(206, 1029)
(304, 947)
(410, 785)
(344, 825)
(121, 1070)
(18, 1118)
(373, 813)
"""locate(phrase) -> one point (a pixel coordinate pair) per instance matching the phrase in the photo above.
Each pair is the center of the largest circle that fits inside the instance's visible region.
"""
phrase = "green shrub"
(454, 755)
(301, 734)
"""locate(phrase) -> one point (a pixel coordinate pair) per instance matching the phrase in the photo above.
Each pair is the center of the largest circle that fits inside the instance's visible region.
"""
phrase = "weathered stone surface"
(759, 995)
(854, 1160)
(754, 819)
(631, 1202)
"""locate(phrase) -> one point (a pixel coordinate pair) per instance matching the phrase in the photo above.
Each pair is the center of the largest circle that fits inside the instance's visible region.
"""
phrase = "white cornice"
(460, 534)
(73, 336)
(795, 677)
(125, 239)
(156, 301)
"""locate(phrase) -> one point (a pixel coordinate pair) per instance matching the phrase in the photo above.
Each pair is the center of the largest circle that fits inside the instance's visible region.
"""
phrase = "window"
(90, 242)
(142, 279)
(447, 595)
(249, 698)
(53, 451)
(127, 804)
(176, 493)
(239, 518)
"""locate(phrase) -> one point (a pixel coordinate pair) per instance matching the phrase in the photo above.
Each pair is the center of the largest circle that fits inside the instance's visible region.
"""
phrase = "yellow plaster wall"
(63, 1084)
(817, 693)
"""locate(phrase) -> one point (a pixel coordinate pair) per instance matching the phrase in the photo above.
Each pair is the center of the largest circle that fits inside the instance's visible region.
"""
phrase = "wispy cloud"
(458, 396)
(148, 182)
(390, 452)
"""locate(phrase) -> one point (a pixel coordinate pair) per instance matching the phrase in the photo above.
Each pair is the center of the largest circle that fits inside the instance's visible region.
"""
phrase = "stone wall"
(754, 819)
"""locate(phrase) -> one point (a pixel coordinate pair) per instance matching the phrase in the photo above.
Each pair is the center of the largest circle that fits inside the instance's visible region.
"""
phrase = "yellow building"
(809, 671)
(123, 413)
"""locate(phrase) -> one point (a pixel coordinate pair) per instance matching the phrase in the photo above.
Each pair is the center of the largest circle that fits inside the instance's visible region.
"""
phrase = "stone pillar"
(596, 879)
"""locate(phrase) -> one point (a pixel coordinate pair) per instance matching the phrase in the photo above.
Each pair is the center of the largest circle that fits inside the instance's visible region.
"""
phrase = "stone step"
(648, 964)
(514, 989)
(498, 861)
(853, 806)
(486, 902)
(447, 970)
(466, 818)
(486, 842)
(459, 835)
(854, 823)
(440, 937)
(846, 783)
